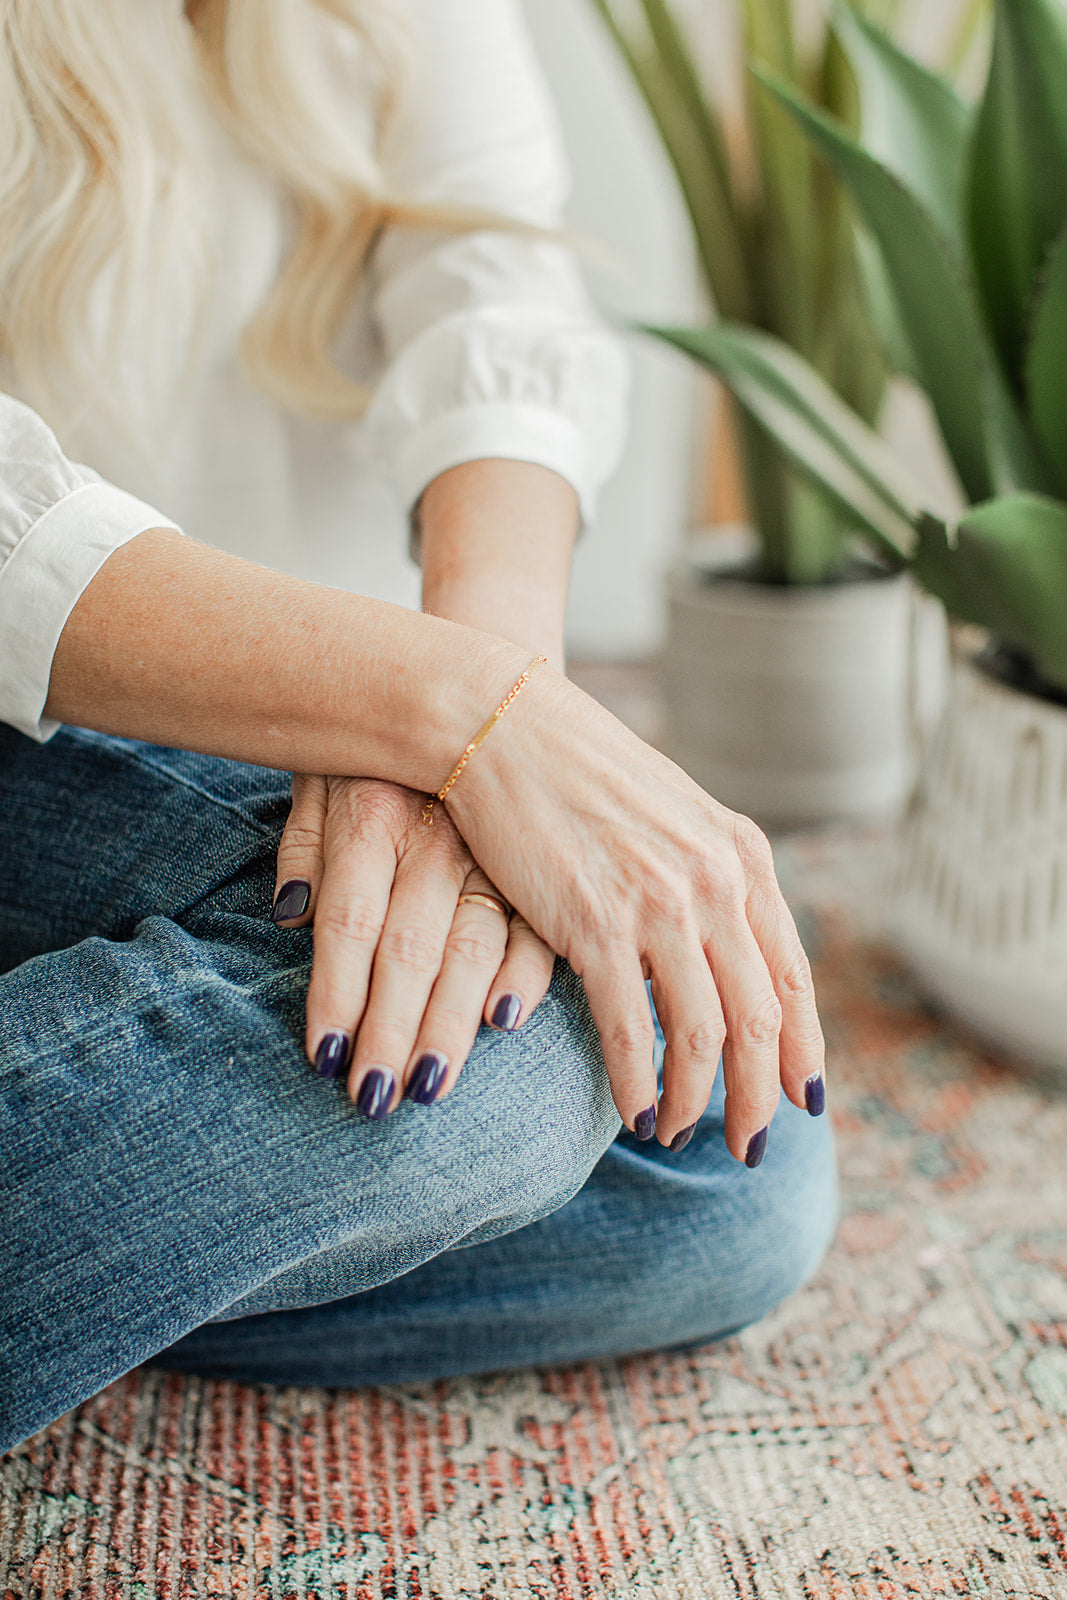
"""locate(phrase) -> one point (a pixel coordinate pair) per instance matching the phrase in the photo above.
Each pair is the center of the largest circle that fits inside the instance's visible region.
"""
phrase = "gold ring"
(489, 900)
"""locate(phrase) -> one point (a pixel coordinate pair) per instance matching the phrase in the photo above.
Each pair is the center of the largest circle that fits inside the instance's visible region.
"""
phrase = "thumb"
(299, 871)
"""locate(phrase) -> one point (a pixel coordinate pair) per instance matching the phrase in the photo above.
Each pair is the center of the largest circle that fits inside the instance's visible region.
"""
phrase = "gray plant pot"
(792, 706)
(977, 903)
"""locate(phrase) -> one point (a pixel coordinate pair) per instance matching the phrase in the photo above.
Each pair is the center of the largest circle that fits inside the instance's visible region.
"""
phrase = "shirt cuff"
(497, 430)
(42, 581)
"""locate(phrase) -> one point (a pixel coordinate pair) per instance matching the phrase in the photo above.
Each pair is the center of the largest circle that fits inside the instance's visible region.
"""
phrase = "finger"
(753, 1024)
(618, 1000)
(473, 953)
(694, 1028)
(406, 964)
(300, 857)
(801, 1047)
(523, 979)
(350, 910)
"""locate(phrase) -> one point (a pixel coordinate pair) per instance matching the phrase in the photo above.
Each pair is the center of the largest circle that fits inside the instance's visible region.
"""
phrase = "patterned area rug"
(896, 1430)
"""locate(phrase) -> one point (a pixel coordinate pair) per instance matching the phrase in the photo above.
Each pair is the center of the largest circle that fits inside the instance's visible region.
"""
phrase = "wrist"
(456, 696)
(507, 609)
(497, 539)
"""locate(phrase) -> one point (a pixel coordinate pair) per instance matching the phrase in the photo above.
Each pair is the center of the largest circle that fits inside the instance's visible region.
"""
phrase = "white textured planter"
(978, 899)
(792, 705)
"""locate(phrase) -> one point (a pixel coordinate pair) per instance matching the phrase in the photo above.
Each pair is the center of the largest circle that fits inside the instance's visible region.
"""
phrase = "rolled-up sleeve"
(59, 522)
(491, 348)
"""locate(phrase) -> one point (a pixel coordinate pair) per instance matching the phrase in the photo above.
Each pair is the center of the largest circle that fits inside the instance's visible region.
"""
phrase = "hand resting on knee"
(612, 855)
(413, 944)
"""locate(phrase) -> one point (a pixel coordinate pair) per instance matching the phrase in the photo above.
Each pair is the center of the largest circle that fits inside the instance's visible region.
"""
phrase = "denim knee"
(527, 1122)
(540, 1106)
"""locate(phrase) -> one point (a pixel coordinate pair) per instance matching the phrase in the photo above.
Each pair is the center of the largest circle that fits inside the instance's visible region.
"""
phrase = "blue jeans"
(177, 1186)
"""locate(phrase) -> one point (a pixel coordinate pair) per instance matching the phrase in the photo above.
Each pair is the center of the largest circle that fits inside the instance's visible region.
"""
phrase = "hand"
(629, 870)
(400, 967)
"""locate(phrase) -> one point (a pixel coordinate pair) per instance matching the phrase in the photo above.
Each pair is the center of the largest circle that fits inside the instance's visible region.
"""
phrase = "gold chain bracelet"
(480, 737)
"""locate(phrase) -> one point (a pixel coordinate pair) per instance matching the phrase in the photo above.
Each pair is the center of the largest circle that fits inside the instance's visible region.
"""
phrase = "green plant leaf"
(789, 221)
(881, 304)
(913, 122)
(1014, 458)
(854, 300)
(804, 537)
(1018, 180)
(1004, 567)
(936, 307)
(804, 416)
(673, 51)
(666, 77)
(1046, 365)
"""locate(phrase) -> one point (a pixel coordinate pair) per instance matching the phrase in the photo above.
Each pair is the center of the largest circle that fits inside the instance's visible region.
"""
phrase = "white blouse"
(476, 346)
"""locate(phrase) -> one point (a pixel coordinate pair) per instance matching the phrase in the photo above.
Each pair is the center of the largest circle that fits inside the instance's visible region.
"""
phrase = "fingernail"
(426, 1080)
(756, 1147)
(815, 1096)
(506, 1012)
(331, 1055)
(375, 1093)
(680, 1140)
(645, 1124)
(292, 900)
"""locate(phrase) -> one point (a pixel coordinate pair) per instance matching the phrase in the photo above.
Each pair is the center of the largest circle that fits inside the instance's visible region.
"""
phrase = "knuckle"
(410, 947)
(796, 977)
(705, 1040)
(301, 837)
(478, 947)
(761, 1024)
(381, 807)
(632, 1036)
(354, 922)
(752, 846)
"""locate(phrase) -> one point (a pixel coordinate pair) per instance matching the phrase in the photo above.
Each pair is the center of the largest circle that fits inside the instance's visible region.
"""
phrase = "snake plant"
(775, 241)
(968, 208)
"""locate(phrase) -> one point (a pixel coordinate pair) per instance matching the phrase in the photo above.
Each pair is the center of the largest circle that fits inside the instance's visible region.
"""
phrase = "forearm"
(497, 541)
(180, 644)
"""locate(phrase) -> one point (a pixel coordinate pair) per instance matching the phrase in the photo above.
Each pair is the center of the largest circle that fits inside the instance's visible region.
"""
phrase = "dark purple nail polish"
(645, 1124)
(425, 1082)
(815, 1096)
(756, 1146)
(680, 1140)
(292, 900)
(506, 1012)
(331, 1056)
(375, 1093)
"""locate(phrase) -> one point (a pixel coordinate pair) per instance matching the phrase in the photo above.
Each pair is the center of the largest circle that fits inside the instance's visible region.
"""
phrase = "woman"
(206, 268)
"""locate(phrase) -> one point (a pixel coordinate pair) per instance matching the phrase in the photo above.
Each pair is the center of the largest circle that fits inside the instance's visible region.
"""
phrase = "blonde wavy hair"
(105, 164)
